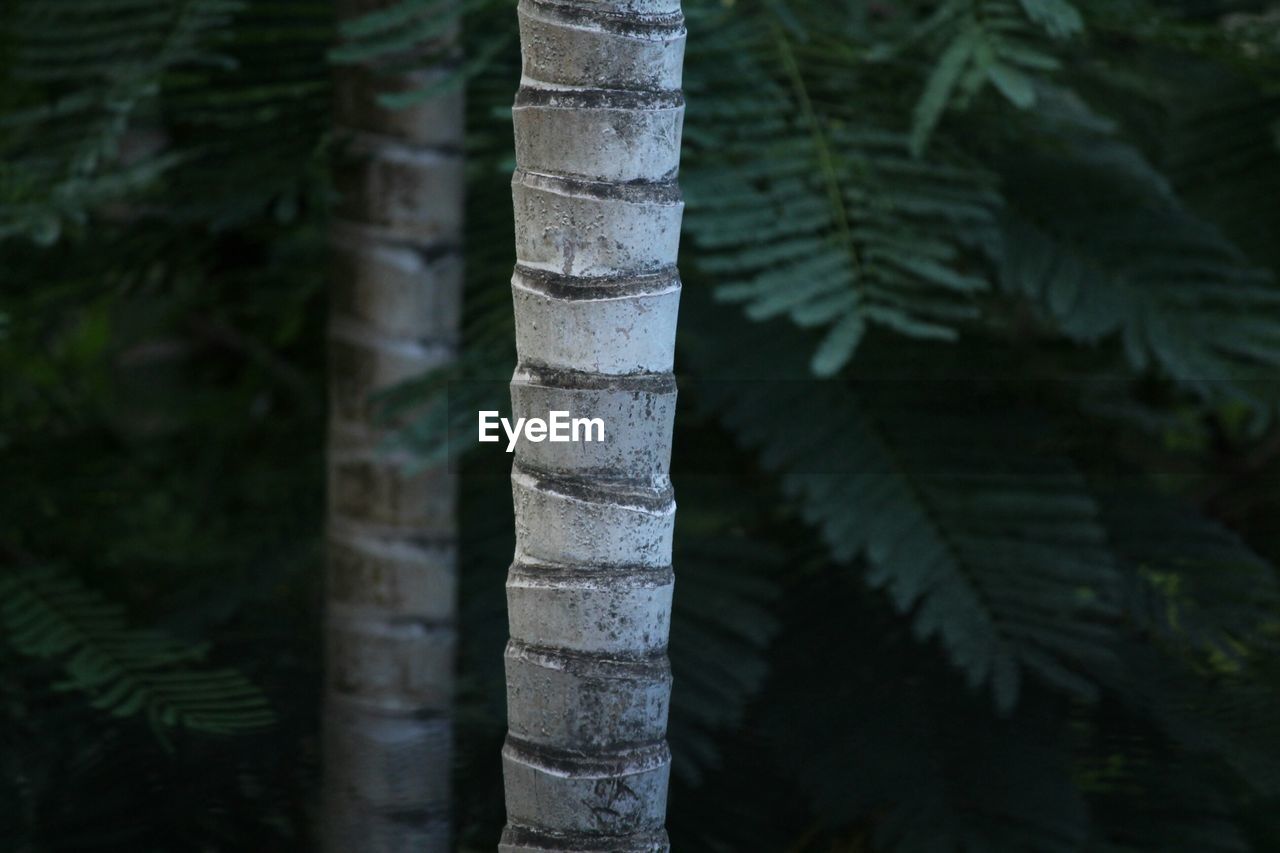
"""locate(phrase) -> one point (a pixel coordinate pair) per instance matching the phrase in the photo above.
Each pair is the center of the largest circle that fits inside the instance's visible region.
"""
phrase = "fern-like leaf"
(1128, 260)
(980, 42)
(125, 671)
(822, 216)
(992, 543)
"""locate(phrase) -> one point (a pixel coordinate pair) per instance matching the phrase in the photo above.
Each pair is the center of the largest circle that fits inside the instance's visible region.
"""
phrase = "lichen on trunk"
(598, 122)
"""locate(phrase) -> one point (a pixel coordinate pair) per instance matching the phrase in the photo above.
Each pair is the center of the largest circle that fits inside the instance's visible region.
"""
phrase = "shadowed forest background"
(977, 453)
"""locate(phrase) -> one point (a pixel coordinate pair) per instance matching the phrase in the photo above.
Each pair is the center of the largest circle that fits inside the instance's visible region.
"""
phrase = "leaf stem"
(826, 161)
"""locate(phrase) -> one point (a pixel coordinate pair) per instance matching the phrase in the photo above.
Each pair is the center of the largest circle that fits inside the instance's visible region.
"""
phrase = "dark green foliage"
(987, 42)
(158, 432)
(1204, 590)
(1127, 259)
(816, 210)
(971, 520)
(722, 621)
(976, 456)
(124, 671)
(897, 737)
(80, 128)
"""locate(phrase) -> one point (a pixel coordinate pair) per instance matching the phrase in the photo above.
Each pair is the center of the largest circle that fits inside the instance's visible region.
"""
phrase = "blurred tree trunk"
(598, 123)
(391, 585)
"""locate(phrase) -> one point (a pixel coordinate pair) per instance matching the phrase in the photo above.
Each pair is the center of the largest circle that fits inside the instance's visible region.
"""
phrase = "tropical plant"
(976, 440)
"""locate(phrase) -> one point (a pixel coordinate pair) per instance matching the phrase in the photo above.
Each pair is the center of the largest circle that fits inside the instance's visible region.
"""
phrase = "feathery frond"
(1128, 260)
(824, 216)
(987, 42)
(125, 671)
(991, 542)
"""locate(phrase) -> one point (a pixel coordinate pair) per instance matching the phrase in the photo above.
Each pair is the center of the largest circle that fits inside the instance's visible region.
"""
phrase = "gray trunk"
(391, 580)
(598, 122)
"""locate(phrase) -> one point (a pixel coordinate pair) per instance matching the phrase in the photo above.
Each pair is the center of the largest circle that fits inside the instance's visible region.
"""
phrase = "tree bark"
(391, 579)
(598, 123)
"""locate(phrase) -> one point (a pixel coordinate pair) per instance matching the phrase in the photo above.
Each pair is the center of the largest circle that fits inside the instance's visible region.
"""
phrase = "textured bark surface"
(391, 551)
(598, 121)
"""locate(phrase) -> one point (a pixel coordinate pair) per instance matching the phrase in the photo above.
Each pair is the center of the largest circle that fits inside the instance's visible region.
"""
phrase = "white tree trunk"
(390, 596)
(598, 123)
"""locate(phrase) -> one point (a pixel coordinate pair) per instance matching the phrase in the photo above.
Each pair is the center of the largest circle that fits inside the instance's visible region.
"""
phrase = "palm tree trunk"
(598, 122)
(391, 583)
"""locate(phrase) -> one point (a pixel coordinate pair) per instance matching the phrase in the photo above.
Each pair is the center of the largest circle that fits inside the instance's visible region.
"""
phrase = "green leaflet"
(1013, 84)
(941, 83)
(838, 346)
(1059, 17)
